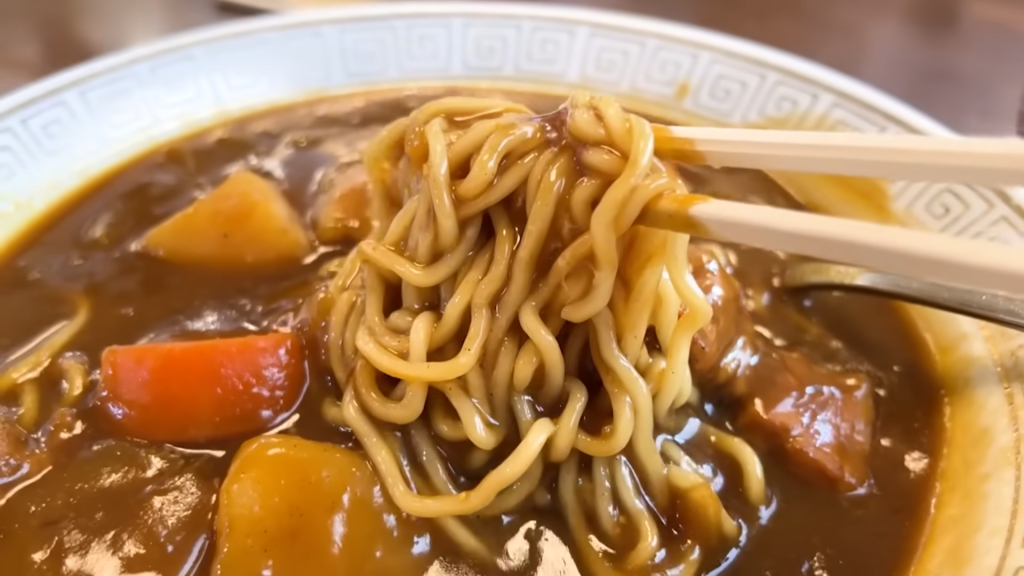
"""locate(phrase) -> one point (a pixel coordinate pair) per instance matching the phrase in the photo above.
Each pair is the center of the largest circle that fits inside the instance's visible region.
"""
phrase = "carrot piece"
(204, 390)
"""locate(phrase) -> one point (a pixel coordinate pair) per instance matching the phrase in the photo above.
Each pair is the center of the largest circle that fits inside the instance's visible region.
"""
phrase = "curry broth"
(86, 248)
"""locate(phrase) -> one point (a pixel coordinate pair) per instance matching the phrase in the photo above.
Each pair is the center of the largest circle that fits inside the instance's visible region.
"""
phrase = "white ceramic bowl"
(64, 131)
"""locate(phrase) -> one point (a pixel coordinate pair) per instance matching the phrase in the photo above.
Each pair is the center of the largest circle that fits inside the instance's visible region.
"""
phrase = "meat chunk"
(820, 414)
(343, 212)
(118, 508)
(723, 292)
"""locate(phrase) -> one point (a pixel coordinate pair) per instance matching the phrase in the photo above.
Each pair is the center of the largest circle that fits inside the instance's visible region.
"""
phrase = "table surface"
(962, 61)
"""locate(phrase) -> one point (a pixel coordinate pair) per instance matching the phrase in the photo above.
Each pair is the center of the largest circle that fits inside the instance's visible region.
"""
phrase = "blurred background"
(962, 61)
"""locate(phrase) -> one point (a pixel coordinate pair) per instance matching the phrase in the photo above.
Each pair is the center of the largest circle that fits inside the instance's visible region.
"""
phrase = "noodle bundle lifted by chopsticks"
(507, 331)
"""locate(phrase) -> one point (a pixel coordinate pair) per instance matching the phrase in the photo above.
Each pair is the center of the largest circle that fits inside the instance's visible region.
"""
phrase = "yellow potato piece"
(297, 507)
(244, 223)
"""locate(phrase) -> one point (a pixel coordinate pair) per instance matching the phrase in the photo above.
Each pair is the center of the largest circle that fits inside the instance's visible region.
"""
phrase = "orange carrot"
(205, 390)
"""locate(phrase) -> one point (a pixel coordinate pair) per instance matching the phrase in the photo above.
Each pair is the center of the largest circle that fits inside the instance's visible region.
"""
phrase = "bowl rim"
(748, 49)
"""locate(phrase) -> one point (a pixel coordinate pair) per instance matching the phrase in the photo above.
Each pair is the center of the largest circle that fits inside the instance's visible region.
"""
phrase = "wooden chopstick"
(892, 156)
(907, 252)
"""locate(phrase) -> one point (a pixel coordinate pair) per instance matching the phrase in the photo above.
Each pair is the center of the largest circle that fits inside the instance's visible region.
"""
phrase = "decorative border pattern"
(108, 117)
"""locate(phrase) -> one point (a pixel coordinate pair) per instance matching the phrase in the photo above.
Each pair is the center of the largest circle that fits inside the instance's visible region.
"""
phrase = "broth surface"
(87, 248)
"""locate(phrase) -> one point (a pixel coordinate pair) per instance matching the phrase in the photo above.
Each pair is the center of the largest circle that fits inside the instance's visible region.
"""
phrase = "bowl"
(68, 129)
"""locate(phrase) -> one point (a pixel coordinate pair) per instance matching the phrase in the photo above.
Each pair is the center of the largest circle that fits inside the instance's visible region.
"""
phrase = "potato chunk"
(294, 506)
(244, 223)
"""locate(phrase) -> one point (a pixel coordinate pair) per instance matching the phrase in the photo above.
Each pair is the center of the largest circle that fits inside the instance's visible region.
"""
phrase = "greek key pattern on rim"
(107, 117)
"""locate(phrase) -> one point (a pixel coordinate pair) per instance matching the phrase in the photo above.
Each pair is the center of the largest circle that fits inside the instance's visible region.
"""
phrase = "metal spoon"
(989, 306)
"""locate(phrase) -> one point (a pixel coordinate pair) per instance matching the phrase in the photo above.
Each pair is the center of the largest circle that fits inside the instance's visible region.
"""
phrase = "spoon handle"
(989, 306)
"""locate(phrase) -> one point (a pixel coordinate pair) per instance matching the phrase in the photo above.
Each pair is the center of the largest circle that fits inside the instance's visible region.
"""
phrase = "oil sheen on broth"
(76, 490)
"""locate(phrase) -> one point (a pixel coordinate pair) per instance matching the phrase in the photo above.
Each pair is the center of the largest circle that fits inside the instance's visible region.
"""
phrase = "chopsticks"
(990, 161)
(916, 254)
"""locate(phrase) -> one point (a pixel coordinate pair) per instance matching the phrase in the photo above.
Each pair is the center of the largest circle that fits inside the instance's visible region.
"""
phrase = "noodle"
(36, 357)
(28, 400)
(504, 271)
(21, 374)
(76, 376)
